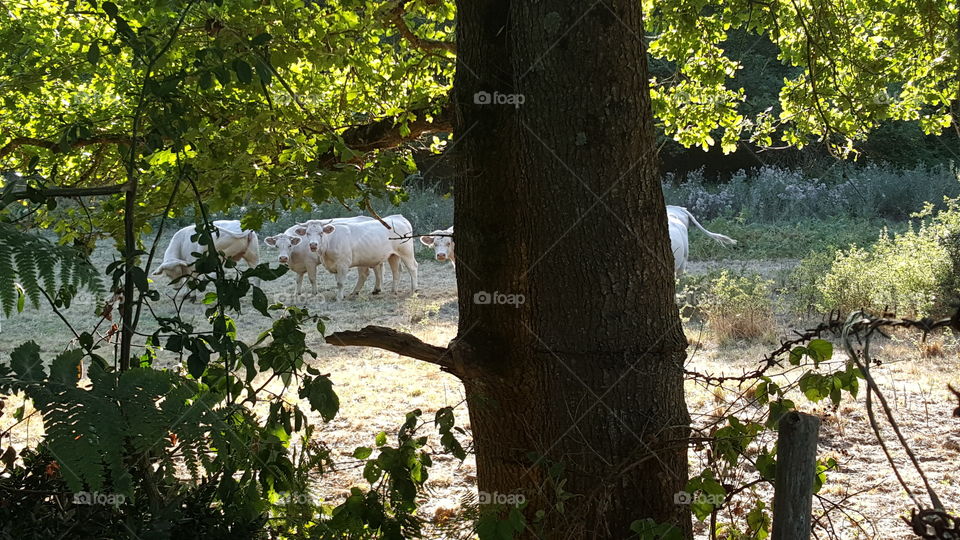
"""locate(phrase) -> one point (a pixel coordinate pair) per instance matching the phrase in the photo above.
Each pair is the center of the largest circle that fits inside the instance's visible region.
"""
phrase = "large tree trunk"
(559, 200)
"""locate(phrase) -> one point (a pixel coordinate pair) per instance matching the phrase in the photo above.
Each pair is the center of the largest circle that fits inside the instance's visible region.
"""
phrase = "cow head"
(315, 233)
(441, 243)
(173, 269)
(285, 244)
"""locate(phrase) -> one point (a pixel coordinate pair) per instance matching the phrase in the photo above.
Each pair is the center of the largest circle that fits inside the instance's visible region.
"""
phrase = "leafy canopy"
(292, 101)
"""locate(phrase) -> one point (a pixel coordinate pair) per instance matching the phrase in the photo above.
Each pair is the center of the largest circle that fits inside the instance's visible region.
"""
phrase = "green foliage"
(884, 69)
(706, 494)
(906, 272)
(29, 263)
(396, 476)
(258, 100)
(734, 306)
(648, 529)
(732, 440)
(39, 504)
(802, 281)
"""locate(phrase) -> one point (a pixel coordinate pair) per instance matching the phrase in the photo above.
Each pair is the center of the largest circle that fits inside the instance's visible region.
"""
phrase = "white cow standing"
(367, 244)
(679, 219)
(442, 243)
(296, 254)
(228, 238)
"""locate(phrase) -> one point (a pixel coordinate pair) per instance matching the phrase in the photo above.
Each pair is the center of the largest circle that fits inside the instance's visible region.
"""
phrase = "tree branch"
(54, 147)
(379, 134)
(396, 17)
(386, 133)
(70, 192)
(391, 340)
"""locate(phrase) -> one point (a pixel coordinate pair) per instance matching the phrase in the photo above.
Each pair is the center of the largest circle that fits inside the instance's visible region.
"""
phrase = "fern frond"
(27, 274)
(84, 433)
(28, 259)
(8, 293)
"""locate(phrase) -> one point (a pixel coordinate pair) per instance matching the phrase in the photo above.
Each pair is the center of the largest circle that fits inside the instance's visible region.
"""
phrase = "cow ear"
(270, 241)
(426, 240)
(302, 231)
(295, 240)
(328, 229)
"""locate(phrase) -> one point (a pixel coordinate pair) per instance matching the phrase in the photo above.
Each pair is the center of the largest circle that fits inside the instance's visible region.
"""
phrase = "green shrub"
(735, 307)
(803, 281)
(910, 272)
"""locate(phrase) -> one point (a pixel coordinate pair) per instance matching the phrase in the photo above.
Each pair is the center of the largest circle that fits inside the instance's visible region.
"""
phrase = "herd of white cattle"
(360, 242)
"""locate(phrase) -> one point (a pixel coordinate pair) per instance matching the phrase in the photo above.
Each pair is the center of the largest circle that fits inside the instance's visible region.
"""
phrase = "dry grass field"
(378, 388)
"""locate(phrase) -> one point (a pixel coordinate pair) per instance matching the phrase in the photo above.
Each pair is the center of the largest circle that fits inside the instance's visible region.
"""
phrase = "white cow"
(229, 239)
(296, 254)
(442, 244)
(365, 244)
(679, 219)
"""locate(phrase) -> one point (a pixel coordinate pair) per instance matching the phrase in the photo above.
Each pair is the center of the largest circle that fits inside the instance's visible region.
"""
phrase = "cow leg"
(394, 262)
(299, 283)
(378, 274)
(341, 274)
(411, 263)
(312, 274)
(362, 273)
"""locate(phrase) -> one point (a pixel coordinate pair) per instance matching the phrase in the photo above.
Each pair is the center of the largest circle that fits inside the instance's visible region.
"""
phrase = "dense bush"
(734, 307)
(912, 272)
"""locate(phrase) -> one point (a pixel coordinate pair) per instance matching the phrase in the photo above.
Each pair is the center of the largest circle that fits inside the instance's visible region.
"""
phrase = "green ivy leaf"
(372, 472)
(206, 80)
(26, 363)
(243, 71)
(261, 39)
(65, 368)
(260, 301)
(319, 393)
(820, 350)
(93, 53)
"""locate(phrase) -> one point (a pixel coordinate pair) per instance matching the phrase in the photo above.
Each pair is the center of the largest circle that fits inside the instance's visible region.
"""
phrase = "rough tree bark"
(558, 199)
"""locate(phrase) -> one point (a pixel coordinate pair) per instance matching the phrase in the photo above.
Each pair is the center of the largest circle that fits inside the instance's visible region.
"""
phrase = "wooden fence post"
(796, 470)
